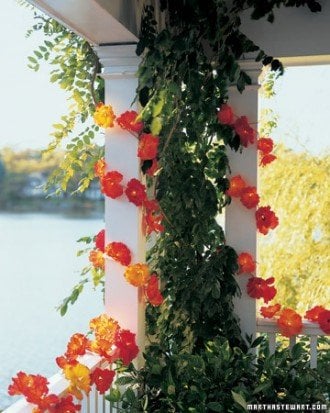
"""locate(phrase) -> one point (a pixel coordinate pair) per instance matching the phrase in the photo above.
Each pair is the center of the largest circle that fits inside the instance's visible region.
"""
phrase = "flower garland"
(288, 320)
(111, 342)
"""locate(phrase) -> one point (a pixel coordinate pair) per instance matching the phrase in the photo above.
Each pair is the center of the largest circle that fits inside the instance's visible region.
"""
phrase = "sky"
(30, 104)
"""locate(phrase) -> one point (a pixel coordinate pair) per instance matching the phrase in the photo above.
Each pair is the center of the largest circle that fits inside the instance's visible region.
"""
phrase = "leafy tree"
(297, 253)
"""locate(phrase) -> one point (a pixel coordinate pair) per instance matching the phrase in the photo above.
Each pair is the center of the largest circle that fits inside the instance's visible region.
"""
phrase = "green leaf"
(156, 126)
(114, 395)
(215, 407)
(239, 399)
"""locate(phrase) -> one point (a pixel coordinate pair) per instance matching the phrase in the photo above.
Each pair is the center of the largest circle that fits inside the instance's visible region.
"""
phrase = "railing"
(93, 403)
(96, 403)
(311, 330)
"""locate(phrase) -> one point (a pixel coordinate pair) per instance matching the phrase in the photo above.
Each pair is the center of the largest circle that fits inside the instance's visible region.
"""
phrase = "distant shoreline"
(70, 207)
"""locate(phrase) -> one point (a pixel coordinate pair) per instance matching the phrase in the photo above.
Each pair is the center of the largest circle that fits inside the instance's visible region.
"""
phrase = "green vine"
(196, 359)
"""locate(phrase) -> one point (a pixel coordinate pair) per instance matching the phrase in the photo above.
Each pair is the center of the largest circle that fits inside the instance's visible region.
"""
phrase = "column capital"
(118, 60)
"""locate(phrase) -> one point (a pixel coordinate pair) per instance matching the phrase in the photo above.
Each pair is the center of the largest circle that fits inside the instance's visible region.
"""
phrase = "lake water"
(38, 267)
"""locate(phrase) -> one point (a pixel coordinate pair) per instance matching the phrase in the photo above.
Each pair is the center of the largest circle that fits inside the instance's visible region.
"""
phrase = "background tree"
(297, 252)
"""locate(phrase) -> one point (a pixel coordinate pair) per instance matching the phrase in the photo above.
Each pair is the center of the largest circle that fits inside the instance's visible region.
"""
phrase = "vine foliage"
(197, 359)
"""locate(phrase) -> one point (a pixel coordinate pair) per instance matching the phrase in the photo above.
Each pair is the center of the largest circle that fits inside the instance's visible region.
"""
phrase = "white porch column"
(240, 223)
(123, 302)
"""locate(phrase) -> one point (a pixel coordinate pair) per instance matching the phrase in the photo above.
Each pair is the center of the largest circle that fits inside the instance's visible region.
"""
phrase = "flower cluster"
(36, 391)
(240, 126)
(110, 341)
(266, 146)
(320, 315)
(266, 219)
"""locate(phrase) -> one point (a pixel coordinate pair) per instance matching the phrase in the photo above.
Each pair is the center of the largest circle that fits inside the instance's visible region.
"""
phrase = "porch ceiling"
(99, 21)
(295, 32)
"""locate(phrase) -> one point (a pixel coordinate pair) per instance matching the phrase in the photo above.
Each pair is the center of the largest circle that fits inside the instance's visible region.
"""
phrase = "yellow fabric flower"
(78, 376)
(104, 116)
(104, 328)
(137, 274)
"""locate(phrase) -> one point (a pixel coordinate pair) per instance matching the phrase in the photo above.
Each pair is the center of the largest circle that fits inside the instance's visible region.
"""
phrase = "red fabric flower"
(148, 146)
(266, 159)
(126, 349)
(119, 252)
(246, 263)
(237, 184)
(100, 240)
(153, 168)
(266, 219)
(102, 378)
(289, 323)
(65, 405)
(270, 311)
(152, 292)
(225, 115)
(249, 197)
(265, 145)
(152, 218)
(111, 184)
(136, 192)
(259, 288)
(244, 131)
(324, 321)
(99, 168)
(313, 313)
(127, 120)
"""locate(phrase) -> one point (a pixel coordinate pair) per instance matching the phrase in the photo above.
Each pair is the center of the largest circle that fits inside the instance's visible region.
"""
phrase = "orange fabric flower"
(127, 120)
(270, 311)
(64, 405)
(99, 168)
(126, 348)
(259, 288)
(104, 116)
(33, 387)
(237, 184)
(137, 274)
(111, 184)
(324, 321)
(225, 115)
(265, 219)
(136, 192)
(313, 313)
(119, 252)
(102, 378)
(78, 376)
(97, 259)
(289, 323)
(77, 346)
(153, 218)
(244, 131)
(265, 145)
(246, 263)
(99, 240)
(148, 146)
(152, 292)
(249, 197)
(104, 327)
(266, 159)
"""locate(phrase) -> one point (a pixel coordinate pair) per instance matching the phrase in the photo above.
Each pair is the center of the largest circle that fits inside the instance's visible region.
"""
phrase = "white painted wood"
(295, 31)
(313, 351)
(97, 21)
(123, 302)
(272, 342)
(240, 225)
